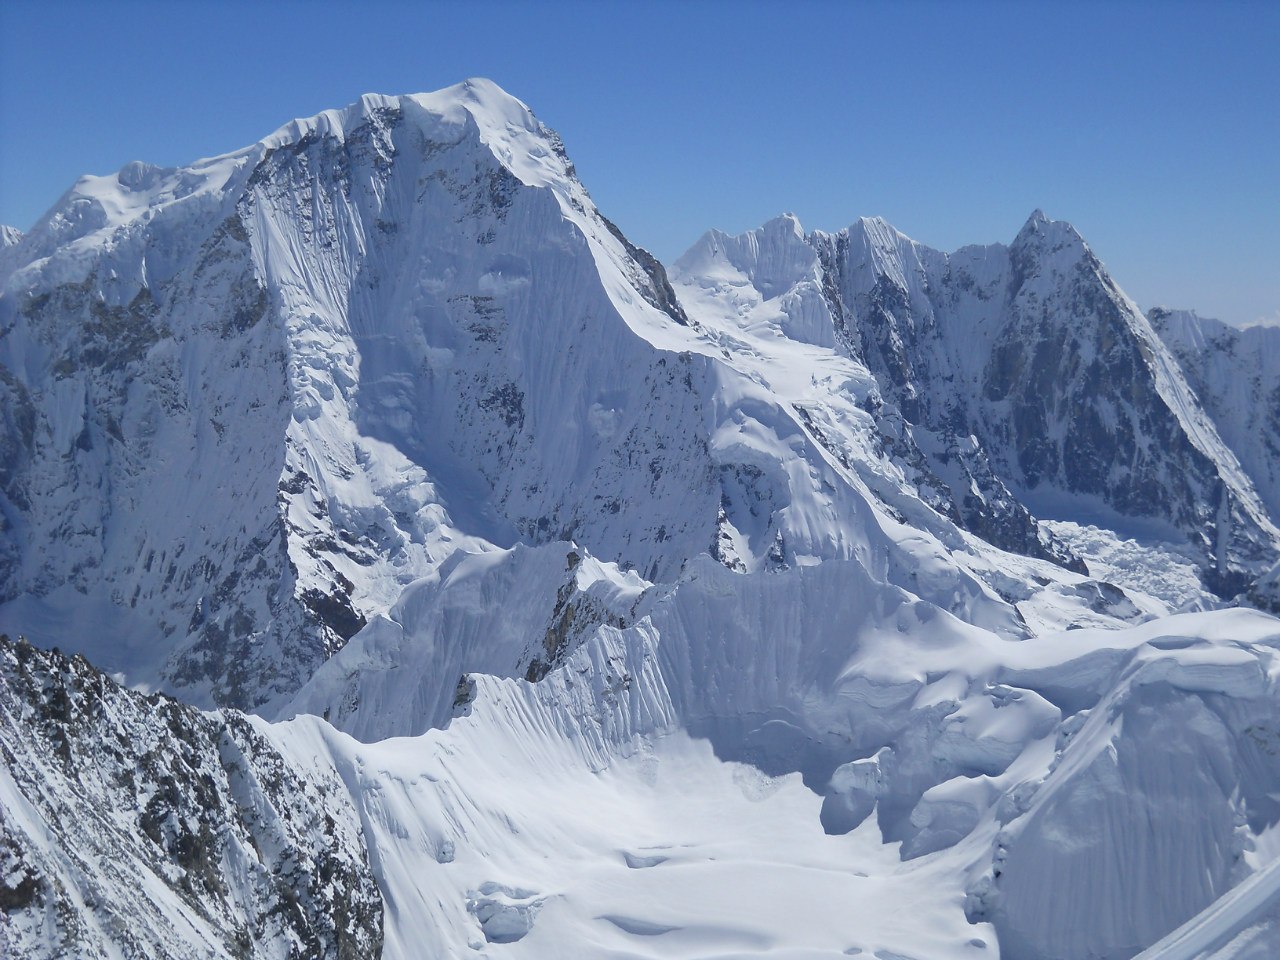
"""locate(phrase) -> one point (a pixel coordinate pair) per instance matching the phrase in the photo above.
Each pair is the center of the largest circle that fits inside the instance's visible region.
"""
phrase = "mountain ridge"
(892, 308)
(576, 601)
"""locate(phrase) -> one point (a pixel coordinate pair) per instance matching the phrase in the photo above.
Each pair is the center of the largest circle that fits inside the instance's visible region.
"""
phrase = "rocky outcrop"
(133, 823)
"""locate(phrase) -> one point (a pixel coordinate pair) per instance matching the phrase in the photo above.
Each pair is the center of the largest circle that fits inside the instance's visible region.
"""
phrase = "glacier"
(397, 560)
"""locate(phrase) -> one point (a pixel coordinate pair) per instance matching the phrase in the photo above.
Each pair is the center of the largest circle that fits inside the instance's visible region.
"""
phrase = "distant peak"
(879, 234)
(784, 223)
(1181, 328)
(9, 236)
(1186, 326)
(1040, 231)
(877, 226)
(1035, 224)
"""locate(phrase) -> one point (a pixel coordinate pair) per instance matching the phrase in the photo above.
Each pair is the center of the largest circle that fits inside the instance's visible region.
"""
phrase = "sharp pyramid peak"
(1040, 232)
(1038, 222)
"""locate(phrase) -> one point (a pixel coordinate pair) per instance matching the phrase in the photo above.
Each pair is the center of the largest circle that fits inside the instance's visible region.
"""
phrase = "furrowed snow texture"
(830, 595)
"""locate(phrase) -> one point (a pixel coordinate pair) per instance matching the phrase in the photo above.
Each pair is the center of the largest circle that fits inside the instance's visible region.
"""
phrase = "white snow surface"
(579, 815)
(630, 627)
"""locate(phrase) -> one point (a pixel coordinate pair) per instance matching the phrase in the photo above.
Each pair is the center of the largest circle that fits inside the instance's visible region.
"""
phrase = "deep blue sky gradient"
(1155, 128)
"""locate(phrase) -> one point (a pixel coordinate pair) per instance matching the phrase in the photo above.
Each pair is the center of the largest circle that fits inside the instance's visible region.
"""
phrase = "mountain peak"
(772, 257)
(1039, 223)
(883, 239)
(877, 226)
(489, 105)
(784, 223)
(1047, 236)
(491, 108)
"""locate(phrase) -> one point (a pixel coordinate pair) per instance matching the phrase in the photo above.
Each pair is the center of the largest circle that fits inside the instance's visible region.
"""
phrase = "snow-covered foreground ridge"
(821, 598)
(1026, 799)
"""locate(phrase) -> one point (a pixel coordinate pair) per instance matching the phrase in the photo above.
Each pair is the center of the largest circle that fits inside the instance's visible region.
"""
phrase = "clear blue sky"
(1155, 128)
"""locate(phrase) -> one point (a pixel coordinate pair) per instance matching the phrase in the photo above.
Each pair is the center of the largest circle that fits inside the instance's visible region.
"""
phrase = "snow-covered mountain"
(1235, 374)
(249, 401)
(1028, 382)
(582, 610)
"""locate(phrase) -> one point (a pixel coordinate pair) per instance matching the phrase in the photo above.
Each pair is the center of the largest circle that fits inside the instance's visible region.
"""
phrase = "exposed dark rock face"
(225, 849)
(653, 284)
(1027, 382)
(930, 432)
(574, 617)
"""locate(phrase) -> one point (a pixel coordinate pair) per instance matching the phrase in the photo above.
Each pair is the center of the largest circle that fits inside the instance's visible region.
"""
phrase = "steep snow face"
(1179, 750)
(247, 401)
(1235, 374)
(513, 613)
(1242, 925)
(137, 826)
(1020, 378)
